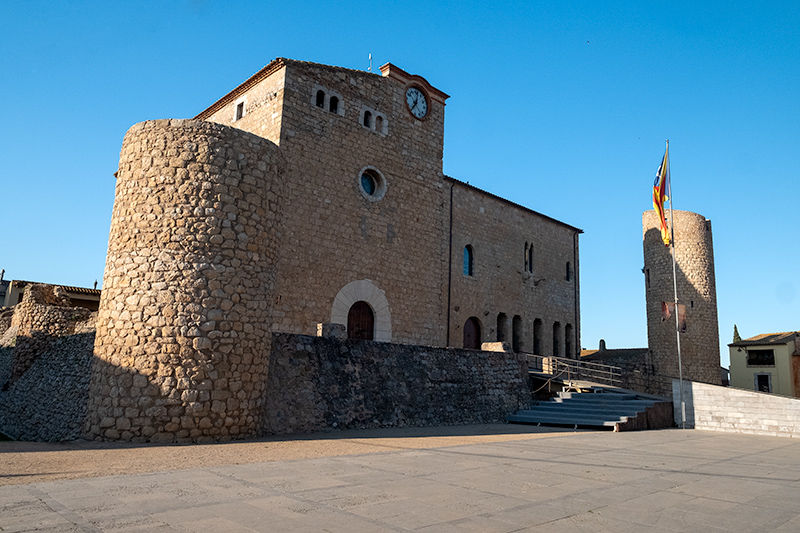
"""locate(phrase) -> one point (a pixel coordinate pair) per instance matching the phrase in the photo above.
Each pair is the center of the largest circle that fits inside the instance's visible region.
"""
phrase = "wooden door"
(360, 322)
(472, 334)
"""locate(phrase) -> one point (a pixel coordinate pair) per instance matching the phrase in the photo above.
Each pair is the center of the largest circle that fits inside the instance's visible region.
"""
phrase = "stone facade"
(318, 383)
(331, 233)
(256, 217)
(534, 307)
(696, 291)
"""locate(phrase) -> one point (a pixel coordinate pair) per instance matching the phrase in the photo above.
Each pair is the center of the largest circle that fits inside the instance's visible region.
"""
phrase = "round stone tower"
(696, 291)
(183, 335)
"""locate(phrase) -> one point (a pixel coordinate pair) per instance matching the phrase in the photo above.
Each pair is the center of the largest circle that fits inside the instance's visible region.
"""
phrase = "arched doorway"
(557, 339)
(502, 326)
(360, 322)
(364, 290)
(537, 336)
(472, 334)
(516, 334)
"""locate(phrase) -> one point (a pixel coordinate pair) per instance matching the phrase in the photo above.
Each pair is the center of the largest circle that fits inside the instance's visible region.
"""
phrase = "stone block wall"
(332, 233)
(718, 408)
(500, 233)
(319, 383)
(182, 334)
(696, 291)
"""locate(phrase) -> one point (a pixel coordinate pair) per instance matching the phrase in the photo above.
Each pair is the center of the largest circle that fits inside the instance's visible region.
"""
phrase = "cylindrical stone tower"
(183, 334)
(696, 291)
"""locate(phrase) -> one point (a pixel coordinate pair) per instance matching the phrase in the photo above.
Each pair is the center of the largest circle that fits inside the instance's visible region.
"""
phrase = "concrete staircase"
(600, 408)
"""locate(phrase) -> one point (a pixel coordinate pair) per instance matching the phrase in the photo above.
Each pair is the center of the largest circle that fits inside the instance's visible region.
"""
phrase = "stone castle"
(309, 195)
(293, 259)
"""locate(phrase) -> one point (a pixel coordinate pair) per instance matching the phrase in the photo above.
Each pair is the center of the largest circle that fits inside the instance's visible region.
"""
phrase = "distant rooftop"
(78, 290)
(765, 339)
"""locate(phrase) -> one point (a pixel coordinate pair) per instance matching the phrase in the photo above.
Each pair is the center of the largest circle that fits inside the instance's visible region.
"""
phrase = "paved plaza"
(496, 479)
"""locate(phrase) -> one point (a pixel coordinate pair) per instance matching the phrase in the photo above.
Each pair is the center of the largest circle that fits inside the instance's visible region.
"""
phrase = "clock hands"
(416, 103)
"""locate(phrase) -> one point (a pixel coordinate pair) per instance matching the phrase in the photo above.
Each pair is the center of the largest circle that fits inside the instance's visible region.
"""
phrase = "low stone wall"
(317, 383)
(45, 361)
(637, 370)
(717, 408)
(43, 316)
(48, 402)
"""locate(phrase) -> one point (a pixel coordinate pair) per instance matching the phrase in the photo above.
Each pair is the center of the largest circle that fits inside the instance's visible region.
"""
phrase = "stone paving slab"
(654, 481)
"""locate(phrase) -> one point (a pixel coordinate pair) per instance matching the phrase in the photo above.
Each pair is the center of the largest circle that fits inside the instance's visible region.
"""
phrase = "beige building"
(769, 362)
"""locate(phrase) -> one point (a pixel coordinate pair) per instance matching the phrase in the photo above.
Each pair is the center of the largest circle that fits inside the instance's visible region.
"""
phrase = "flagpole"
(675, 288)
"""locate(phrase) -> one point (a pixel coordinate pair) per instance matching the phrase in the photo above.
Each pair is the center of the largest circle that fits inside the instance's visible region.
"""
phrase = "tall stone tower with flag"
(697, 297)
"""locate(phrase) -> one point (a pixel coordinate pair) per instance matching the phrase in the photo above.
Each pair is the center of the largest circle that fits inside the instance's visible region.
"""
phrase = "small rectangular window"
(760, 358)
(239, 110)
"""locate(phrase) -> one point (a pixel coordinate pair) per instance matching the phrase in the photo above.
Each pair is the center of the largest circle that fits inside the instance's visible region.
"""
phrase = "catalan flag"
(660, 194)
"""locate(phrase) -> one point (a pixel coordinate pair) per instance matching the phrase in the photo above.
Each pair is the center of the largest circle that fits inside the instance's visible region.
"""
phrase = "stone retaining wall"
(719, 408)
(45, 361)
(48, 402)
(317, 383)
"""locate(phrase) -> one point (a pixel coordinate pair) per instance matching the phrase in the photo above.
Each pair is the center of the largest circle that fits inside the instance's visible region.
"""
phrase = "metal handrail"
(575, 369)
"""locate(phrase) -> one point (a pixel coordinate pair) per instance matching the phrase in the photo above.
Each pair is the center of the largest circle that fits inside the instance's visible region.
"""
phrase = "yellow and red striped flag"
(660, 194)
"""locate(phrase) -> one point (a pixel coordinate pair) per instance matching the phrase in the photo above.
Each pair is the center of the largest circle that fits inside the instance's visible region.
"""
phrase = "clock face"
(417, 103)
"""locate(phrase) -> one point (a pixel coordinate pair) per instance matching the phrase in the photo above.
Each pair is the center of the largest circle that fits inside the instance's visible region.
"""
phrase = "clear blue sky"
(560, 106)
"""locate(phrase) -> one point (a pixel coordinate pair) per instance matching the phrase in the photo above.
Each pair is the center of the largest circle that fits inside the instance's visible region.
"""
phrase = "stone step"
(634, 404)
(584, 409)
(558, 420)
(599, 396)
(616, 410)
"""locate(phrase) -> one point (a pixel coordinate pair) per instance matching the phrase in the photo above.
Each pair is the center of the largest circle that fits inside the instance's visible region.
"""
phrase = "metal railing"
(574, 369)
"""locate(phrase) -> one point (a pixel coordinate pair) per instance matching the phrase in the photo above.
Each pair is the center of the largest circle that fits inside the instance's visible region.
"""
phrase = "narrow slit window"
(530, 258)
(239, 110)
(321, 98)
(569, 271)
(525, 257)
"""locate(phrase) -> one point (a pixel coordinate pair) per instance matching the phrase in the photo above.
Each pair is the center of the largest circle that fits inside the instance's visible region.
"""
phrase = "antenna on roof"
(370, 62)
